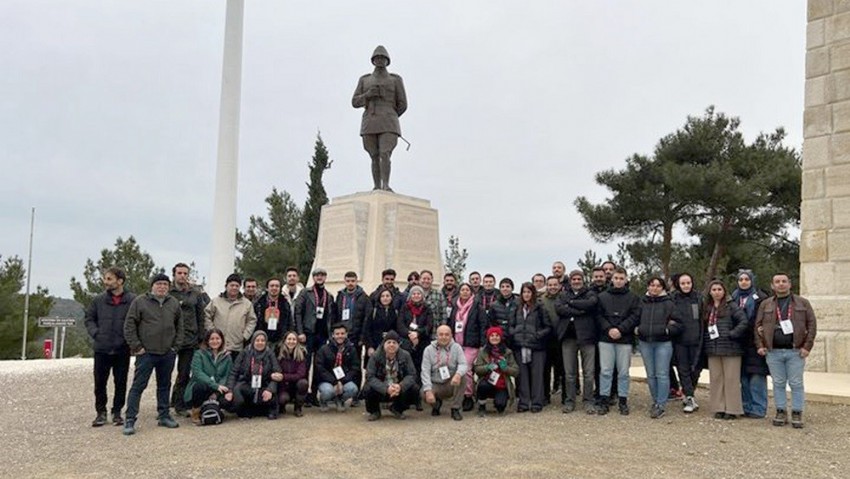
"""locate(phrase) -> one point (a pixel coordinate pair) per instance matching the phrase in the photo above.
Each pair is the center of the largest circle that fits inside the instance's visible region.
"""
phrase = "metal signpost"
(57, 323)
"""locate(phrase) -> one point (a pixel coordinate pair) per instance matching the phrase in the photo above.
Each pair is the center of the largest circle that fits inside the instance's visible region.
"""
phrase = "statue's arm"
(359, 98)
(400, 97)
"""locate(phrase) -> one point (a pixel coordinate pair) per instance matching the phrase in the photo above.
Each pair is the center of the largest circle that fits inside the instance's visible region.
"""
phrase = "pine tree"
(316, 198)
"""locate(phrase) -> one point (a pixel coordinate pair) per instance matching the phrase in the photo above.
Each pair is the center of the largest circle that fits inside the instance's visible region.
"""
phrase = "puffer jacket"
(235, 318)
(359, 307)
(381, 320)
(406, 320)
(326, 359)
(659, 321)
(262, 360)
(731, 325)
(750, 300)
(531, 330)
(618, 308)
(284, 319)
(501, 312)
(689, 310)
(105, 322)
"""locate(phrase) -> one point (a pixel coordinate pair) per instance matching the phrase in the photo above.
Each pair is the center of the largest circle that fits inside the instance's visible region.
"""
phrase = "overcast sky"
(109, 112)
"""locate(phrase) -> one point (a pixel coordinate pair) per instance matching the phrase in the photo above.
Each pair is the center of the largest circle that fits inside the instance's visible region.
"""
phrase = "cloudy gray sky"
(109, 112)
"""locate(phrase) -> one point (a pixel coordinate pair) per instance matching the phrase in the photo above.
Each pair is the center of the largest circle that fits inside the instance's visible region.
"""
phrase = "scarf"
(461, 317)
(415, 309)
(497, 353)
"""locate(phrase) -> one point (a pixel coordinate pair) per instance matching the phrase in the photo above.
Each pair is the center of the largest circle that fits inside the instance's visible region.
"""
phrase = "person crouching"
(252, 388)
(390, 376)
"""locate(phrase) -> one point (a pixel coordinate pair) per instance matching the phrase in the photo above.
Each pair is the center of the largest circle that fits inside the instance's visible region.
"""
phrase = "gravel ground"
(48, 407)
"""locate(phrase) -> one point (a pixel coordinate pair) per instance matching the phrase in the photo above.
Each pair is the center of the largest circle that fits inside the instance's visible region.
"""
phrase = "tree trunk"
(666, 249)
(719, 248)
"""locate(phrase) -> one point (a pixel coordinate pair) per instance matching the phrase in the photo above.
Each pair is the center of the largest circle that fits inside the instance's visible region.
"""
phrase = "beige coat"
(235, 318)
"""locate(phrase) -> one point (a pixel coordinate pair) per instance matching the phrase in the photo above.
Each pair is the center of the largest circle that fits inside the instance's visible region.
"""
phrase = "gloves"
(491, 367)
(503, 364)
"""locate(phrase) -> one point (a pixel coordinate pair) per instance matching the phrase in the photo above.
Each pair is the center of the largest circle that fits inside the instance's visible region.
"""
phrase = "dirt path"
(46, 414)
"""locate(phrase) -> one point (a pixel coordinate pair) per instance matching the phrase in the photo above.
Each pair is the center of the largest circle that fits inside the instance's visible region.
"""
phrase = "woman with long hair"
(292, 358)
(657, 324)
(211, 367)
(529, 330)
(687, 345)
(724, 325)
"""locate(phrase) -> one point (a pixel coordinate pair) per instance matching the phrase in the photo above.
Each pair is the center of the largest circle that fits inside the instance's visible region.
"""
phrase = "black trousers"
(687, 359)
(200, 393)
(119, 365)
(486, 391)
(292, 392)
(554, 364)
(400, 403)
(184, 368)
(245, 405)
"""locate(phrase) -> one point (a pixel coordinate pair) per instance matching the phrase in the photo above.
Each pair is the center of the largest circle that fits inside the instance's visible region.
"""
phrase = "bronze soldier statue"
(382, 95)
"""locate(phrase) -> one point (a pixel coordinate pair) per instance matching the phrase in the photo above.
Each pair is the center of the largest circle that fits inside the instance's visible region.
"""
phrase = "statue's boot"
(376, 172)
(385, 173)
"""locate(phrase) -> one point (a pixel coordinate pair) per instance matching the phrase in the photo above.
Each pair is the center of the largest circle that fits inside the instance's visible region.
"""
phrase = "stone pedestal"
(369, 232)
(825, 210)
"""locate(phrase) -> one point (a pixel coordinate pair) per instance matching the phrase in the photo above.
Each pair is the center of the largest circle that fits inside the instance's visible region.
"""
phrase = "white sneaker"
(690, 405)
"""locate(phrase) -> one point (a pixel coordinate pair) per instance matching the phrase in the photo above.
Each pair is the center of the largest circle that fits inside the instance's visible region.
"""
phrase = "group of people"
(254, 353)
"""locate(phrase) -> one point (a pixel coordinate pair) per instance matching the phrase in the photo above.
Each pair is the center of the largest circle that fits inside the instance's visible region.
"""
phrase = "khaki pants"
(447, 391)
(725, 384)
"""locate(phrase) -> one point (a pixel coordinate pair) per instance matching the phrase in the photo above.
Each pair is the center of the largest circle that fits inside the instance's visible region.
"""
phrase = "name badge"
(713, 333)
(755, 296)
(256, 381)
(346, 314)
(320, 312)
(448, 311)
(272, 323)
(339, 373)
(458, 327)
(413, 326)
(493, 378)
(444, 372)
(526, 355)
(787, 326)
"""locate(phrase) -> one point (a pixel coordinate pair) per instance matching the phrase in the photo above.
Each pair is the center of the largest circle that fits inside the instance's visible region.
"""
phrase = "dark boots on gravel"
(781, 418)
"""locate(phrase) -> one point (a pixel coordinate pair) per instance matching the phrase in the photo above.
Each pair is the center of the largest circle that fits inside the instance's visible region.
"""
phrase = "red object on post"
(48, 349)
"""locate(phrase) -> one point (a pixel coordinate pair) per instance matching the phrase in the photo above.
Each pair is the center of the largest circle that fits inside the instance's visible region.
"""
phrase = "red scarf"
(416, 310)
(495, 356)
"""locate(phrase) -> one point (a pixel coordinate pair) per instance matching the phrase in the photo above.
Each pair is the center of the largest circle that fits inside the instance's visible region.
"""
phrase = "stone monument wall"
(825, 209)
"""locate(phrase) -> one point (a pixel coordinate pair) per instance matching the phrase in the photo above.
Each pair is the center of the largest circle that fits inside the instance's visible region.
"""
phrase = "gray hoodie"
(450, 355)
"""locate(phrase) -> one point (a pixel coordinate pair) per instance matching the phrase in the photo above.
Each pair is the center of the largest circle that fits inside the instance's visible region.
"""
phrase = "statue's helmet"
(380, 51)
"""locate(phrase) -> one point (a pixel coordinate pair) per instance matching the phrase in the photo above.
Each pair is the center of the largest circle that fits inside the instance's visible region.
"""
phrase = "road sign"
(57, 322)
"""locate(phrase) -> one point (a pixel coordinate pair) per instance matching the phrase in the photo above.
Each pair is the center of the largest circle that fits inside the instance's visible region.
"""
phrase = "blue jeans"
(146, 364)
(754, 394)
(786, 367)
(612, 356)
(656, 360)
(327, 392)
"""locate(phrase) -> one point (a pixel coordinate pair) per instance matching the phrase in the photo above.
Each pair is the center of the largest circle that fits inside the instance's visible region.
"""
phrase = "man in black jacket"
(387, 283)
(105, 324)
(192, 308)
(618, 314)
(390, 376)
(338, 366)
(352, 308)
(576, 307)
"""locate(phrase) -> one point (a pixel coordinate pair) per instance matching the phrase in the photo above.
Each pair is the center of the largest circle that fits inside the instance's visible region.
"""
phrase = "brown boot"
(195, 414)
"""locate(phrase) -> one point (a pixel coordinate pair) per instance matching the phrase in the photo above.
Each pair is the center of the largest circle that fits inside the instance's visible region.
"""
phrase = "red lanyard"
(252, 367)
(712, 316)
(338, 361)
(324, 297)
(438, 357)
(742, 302)
(779, 311)
(485, 302)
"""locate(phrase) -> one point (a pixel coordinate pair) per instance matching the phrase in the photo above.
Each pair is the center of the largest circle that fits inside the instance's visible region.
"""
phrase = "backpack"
(211, 413)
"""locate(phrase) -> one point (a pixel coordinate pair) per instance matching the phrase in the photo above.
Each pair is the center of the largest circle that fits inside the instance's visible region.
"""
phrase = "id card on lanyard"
(256, 378)
(713, 332)
(786, 324)
(443, 370)
(320, 309)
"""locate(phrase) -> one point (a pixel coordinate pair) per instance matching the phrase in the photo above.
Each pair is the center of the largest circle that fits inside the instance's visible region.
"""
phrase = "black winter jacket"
(618, 308)
(423, 328)
(732, 325)
(105, 323)
(284, 321)
(242, 373)
(530, 331)
(360, 307)
(473, 333)
(659, 321)
(689, 310)
(306, 320)
(381, 320)
(326, 359)
(502, 311)
(577, 312)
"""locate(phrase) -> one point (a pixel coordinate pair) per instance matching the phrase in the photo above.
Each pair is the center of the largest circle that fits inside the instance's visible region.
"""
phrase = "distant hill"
(67, 308)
